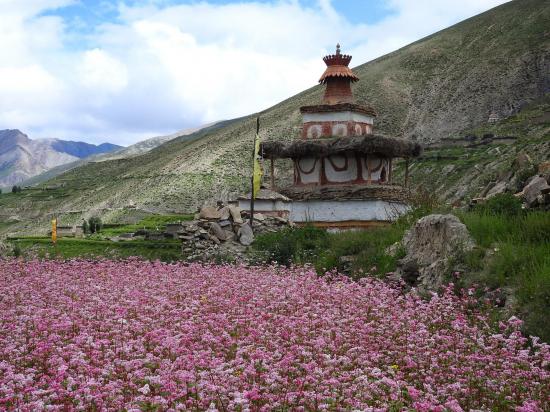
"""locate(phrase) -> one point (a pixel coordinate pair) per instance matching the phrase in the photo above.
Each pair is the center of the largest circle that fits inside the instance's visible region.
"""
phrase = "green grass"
(514, 253)
(488, 229)
(67, 248)
(154, 222)
(5, 225)
(98, 246)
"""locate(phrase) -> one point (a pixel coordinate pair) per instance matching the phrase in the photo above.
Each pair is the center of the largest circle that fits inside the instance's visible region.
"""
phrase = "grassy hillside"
(442, 86)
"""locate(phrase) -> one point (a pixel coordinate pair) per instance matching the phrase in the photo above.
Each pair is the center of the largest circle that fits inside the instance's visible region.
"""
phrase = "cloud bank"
(157, 67)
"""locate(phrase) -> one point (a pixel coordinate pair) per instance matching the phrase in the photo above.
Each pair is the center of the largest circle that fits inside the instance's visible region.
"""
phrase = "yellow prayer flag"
(258, 171)
(54, 230)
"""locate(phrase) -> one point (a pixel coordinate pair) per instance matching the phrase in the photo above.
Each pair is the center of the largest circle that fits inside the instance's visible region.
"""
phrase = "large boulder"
(210, 213)
(217, 230)
(500, 187)
(245, 235)
(536, 186)
(430, 246)
(224, 213)
(235, 212)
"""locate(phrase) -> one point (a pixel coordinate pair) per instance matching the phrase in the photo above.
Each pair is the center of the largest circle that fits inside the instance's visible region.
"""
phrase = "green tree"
(85, 226)
(95, 225)
(14, 189)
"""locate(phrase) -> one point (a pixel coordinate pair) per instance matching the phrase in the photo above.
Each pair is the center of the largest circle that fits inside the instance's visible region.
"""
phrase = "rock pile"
(224, 230)
(536, 192)
(525, 180)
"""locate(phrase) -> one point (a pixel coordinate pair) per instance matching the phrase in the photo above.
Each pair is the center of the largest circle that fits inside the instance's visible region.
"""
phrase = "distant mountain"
(144, 146)
(82, 149)
(22, 157)
(136, 149)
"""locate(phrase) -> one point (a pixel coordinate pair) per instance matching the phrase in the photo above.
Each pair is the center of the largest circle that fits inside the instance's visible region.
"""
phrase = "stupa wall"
(353, 213)
(317, 125)
(337, 214)
(316, 130)
(341, 168)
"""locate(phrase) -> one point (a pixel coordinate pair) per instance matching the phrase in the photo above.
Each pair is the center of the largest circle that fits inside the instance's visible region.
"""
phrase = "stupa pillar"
(338, 91)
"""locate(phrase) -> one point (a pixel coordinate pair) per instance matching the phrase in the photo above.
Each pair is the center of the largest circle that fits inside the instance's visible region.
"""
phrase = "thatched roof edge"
(391, 193)
(369, 144)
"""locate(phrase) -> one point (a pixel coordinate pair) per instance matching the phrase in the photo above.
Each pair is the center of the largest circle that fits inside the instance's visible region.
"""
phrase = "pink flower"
(145, 389)
(114, 335)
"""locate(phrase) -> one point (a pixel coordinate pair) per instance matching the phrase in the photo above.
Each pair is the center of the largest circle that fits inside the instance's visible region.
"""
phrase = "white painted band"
(337, 117)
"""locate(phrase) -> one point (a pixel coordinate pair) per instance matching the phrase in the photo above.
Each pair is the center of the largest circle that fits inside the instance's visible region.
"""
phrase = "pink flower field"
(136, 335)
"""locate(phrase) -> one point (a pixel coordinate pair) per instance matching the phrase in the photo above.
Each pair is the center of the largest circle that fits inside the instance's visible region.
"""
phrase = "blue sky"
(91, 12)
(125, 70)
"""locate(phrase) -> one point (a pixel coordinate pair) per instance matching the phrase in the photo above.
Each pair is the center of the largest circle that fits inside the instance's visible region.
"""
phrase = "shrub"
(94, 224)
(368, 248)
(16, 250)
(501, 204)
(324, 250)
(292, 245)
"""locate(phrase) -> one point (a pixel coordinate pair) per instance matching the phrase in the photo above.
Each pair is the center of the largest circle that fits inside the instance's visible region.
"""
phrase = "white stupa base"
(333, 213)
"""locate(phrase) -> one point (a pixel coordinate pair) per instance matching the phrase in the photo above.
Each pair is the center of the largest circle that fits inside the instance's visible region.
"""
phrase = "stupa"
(343, 173)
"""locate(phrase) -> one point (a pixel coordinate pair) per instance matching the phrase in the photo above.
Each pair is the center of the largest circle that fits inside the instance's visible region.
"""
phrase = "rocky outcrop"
(525, 180)
(430, 246)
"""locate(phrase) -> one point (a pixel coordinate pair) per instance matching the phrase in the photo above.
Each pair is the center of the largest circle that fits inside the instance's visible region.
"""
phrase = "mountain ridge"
(82, 149)
(22, 157)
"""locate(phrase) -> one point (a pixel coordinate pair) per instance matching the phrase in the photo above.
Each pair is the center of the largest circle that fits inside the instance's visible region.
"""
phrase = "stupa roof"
(383, 145)
(337, 66)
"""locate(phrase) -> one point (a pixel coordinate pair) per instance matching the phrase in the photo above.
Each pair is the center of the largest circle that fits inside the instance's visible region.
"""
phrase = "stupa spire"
(337, 78)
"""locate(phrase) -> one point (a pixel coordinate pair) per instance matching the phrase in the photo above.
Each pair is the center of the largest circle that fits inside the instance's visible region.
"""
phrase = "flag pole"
(252, 179)
(54, 231)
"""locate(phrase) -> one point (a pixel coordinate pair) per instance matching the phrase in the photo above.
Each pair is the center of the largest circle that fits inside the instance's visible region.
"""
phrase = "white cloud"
(99, 69)
(161, 68)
